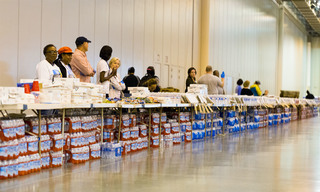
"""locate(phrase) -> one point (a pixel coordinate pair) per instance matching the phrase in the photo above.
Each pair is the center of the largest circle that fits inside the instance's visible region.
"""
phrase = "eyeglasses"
(52, 52)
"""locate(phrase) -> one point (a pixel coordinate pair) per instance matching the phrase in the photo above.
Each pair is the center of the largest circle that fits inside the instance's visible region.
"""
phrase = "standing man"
(220, 89)
(212, 81)
(79, 63)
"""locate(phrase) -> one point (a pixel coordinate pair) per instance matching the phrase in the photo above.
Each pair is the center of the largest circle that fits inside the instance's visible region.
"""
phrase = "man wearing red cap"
(79, 62)
(63, 62)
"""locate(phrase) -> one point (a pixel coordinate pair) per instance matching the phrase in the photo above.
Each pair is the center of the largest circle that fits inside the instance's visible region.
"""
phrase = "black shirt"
(62, 68)
(246, 91)
(189, 81)
(131, 81)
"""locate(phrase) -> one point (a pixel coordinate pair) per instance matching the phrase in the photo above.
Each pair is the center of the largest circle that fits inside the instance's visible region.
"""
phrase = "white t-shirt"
(70, 74)
(103, 66)
(46, 71)
(116, 86)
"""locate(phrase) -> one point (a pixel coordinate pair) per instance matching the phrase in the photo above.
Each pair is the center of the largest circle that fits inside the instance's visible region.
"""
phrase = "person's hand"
(114, 72)
(223, 75)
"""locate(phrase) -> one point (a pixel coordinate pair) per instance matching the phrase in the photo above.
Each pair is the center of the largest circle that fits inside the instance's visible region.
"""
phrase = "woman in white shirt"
(46, 69)
(116, 84)
(103, 70)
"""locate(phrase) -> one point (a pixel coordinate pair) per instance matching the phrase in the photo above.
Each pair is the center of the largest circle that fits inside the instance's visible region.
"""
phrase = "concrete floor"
(285, 158)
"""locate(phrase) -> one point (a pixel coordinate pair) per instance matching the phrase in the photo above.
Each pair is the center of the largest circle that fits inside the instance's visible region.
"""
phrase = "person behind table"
(79, 63)
(150, 75)
(153, 85)
(46, 69)
(103, 71)
(63, 62)
(309, 95)
(211, 81)
(238, 87)
(116, 85)
(245, 90)
(266, 92)
(220, 89)
(256, 89)
(192, 72)
(130, 80)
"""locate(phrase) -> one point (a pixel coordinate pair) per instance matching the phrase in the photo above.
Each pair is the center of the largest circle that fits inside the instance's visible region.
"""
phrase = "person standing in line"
(130, 80)
(79, 62)
(63, 62)
(245, 90)
(116, 85)
(46, 69)
(211, 81)
(192, 72)
(256, 89)
(220, 89)
(104, 73)
(238, 87)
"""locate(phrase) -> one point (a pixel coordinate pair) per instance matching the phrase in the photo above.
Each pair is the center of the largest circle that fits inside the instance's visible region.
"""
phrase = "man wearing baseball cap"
(79, 63)
(63, 62)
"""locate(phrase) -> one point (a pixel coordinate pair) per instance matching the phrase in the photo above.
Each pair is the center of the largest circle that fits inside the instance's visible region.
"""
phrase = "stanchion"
(160, 129)
(205, 125)
(39, 131)
(120, 119)
(211, 123)
(62, 126)
(102, 126)
(149, 134)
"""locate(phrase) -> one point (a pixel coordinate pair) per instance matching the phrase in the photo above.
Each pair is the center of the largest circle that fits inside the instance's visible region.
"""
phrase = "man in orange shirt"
(79, 63)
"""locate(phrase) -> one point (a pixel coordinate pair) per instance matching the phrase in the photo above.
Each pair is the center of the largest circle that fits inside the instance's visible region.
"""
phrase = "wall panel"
(243, 41)
(127, 36)
(148, 34)
(9, 22)
(30, 50)
(115, 27)
(138, 40)
(101, 30)
(86, 28)
(51, 23)
(294, 58)
(69, 23)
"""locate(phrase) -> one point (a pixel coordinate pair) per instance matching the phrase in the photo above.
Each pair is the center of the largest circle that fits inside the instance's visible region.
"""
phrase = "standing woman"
(103, 71)
(191, 77)
(116, 84)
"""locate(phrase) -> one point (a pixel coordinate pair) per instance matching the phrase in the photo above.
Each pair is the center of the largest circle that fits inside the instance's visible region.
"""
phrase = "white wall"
(294, 59)
(141, 33)
(315, 66)
(243, 41)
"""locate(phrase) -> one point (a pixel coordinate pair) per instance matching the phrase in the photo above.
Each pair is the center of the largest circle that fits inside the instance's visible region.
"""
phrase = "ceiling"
(302, 11)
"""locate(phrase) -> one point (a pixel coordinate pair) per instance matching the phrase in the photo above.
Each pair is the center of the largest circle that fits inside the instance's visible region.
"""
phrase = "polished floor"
(277, 159)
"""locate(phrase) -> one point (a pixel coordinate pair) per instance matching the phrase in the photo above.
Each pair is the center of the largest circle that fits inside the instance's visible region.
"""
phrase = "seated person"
(150, 75)
(245, 90)
(63, 62)
(46, 69)
(130, 80)
(153, 86)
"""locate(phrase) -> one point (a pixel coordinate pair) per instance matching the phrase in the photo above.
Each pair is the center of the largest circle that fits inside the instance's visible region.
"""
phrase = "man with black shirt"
(131, 80)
